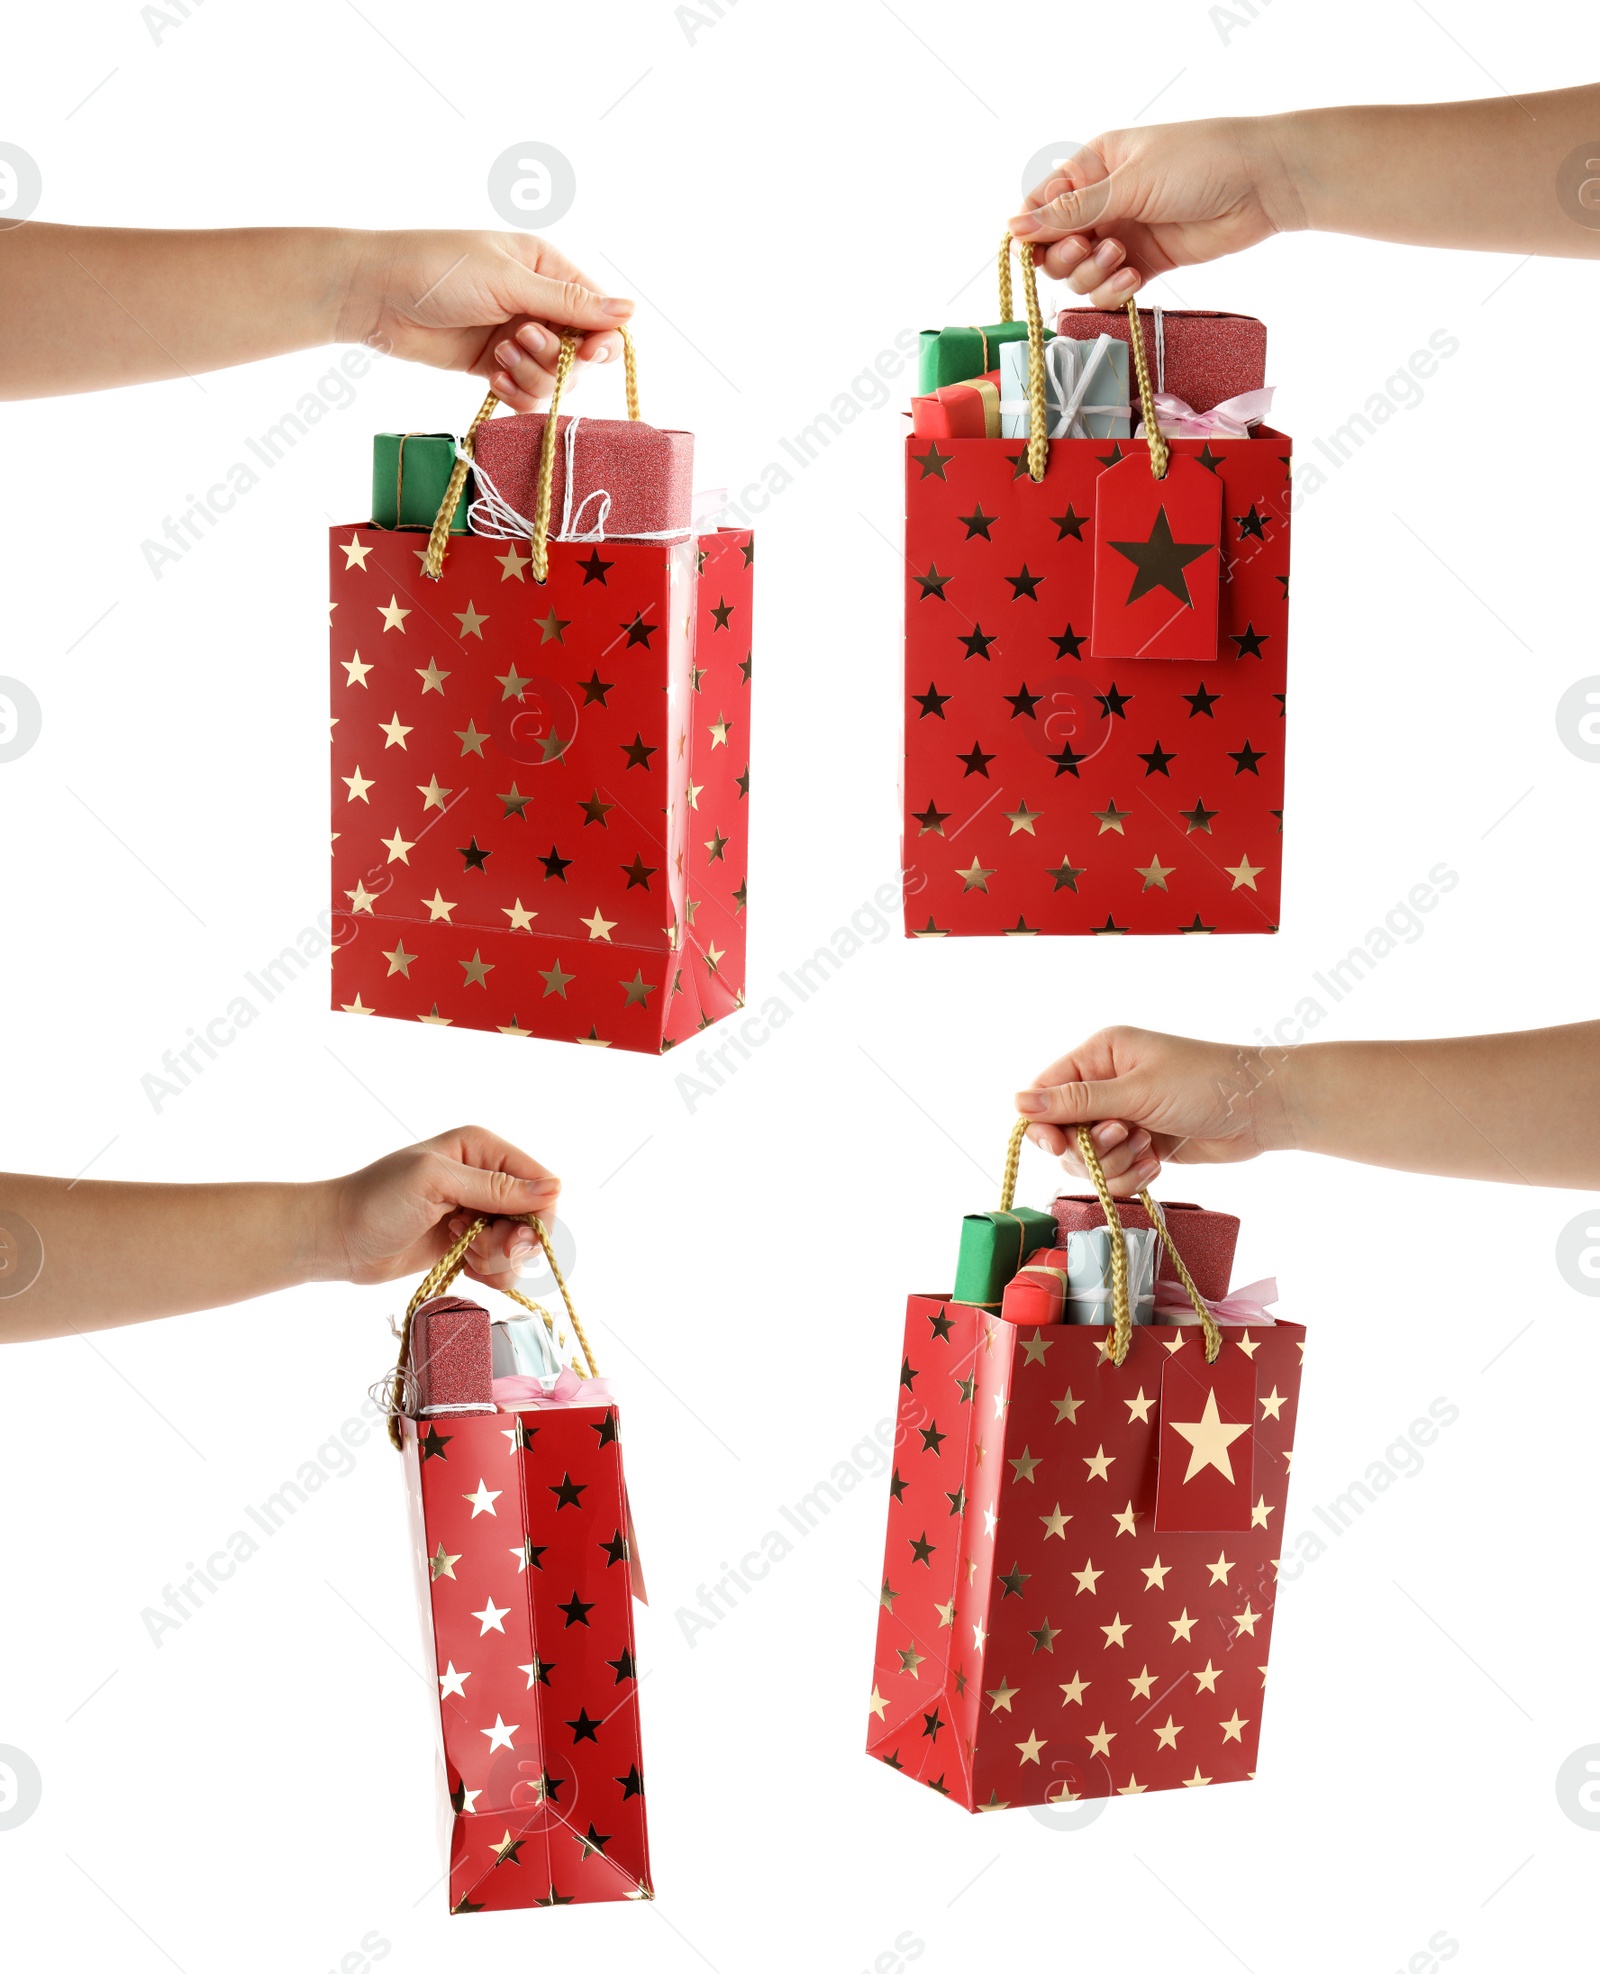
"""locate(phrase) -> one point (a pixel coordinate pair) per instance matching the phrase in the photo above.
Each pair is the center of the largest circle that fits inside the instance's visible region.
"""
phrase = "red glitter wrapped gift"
(520, 1523)
(1206, 1240)
(616, 477)
(540, 788)
(1095, 683)
(451, 1357)
(1079, 1583)
(1198, 354)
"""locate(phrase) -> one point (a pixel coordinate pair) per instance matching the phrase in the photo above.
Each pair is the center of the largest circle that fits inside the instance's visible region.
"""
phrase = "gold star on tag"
(1209, 1440)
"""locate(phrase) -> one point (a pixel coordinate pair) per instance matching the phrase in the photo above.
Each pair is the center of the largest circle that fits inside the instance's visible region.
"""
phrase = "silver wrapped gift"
(1085, 389)
(1089, 1274)
(521, 1347)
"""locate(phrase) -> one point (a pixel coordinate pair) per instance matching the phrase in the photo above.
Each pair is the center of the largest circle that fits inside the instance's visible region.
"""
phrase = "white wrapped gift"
(1085, 386)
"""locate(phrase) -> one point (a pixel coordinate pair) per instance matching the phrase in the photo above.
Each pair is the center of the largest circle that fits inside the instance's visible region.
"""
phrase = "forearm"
(125, 1253)
(87, 307)
(1524, 1108)
(1476, 175)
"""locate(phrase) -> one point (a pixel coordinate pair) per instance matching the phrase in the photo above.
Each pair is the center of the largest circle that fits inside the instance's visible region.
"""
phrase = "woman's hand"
(1154, 1098)
(1134, 203)
(493, 304)
(397, 1217)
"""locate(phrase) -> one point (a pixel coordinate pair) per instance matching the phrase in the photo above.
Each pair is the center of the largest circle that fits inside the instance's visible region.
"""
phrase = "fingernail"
(520, 1244)
(532, 337)
(1147, 1171)
(508, 353)
(1032, 1103)
(1023, 223)
(1123, 283)
(603, 353)
(616, 308)
(1107, 1135)
(1107, 254)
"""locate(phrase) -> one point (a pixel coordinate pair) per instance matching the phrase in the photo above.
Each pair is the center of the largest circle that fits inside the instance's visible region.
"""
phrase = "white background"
(787, 189)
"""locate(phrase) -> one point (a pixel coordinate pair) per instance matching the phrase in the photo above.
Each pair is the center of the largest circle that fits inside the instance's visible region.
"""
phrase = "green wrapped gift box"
(994, 1246)
(410, 471)
(951, 356)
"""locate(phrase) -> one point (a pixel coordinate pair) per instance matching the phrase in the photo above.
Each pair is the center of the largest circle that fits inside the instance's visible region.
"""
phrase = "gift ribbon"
(441, 1275)
(567, 1388)
(1231, 419)
(1246, 1305)
(1122, 1314)
(1060, 357)
(1038, 442)
(538, 529)
(492, 514)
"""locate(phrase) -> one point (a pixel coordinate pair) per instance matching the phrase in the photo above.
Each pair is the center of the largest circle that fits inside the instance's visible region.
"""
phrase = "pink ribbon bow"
(518, 1391)
(1246, 1305)
(1231, 419)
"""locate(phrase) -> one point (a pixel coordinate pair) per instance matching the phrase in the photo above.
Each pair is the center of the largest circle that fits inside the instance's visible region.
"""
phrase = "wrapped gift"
(1197, 354)
(1091, 1273)
(993, 1247)
(1078, 377)
(951, 356)
(1037, 1292)
(1205, 1239)
(616, 479)
(1073, 1604)
(410, 471)
(522, 1535)
(1095, 680)
(451, 1359)
(540, 787)
(959, 411)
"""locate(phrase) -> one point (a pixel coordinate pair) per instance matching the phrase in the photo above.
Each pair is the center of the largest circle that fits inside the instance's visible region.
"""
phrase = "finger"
(1076, 200)
(568, 302)
(521, 381)
(600, 349)
(1078, 1102)
(1129, 1150)
(1115, 292)
(1060, 258)
(500, 1252)
(1095, 269)
(1132, 1177)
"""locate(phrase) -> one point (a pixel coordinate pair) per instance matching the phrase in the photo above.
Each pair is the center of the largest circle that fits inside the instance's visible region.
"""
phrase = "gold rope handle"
(443, 1273)
(1038, 440)
(439, 535)
(1155, 438)
(1008, 1184)
(1122, 1315)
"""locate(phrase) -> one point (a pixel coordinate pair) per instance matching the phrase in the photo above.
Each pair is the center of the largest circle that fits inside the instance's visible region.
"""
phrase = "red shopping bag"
(1095, 639)
(541, 774)
(523, 1537)
(1079, 1580)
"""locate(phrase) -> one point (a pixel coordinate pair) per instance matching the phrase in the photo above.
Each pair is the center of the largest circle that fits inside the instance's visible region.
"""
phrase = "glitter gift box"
(1200, 355)
(619, 475)
(1205, 1239)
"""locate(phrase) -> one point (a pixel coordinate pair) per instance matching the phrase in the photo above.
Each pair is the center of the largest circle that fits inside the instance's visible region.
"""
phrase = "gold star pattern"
(442, 1565)
(1272, 1404)
(433, 796)
(1209, 1440)
(358, 785)
(355, 554)
(521, 918)
(1155, 873)
(394, 617)
(1111, 817)
(400, 960)
(599, 928)
(1055, 1523)
(1067, 1408)
(397, 847)
(471, 621)
(1139, 1408)
(471, 740)
(1124, 1519)
(477, 969)
(439, 906)
(1087, 1577)
(1141, 1682)
(1100, 1741)
(1156, 1574)
(432, 679)
(1116, 1631)
(1023, 818)
(512, 564)
(1002, 1695)
(1206, 1679)
(1023, 1465)
(355, 673)
(1167, 1737)
(1029, 1749)
(396, 733)
(1099, 1463)
(1073, 1690)
(1244, 873)
(975, 877)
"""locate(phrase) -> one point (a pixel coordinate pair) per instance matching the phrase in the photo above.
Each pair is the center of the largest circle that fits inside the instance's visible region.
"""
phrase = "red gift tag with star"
(1157, 560)
(1205, 1450)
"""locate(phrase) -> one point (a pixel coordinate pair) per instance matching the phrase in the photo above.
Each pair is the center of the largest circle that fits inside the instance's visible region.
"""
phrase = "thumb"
(493, 1192)
(568, 304)
(1091, 198)
(1071, 1104)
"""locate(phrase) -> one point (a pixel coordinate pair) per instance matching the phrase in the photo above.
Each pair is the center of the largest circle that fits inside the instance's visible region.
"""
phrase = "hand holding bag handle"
(443, 1273)
(1038, 443)
(439, 537)
(1121, 1313)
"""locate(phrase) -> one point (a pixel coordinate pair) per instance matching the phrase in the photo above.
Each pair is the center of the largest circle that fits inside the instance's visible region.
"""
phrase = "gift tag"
(1205, 1459)
(1157, 560)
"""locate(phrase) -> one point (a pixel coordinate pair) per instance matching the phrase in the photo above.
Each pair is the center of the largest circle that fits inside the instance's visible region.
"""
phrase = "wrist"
(319, 1244)
(1283, 156)
(361, 282)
